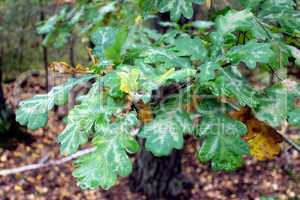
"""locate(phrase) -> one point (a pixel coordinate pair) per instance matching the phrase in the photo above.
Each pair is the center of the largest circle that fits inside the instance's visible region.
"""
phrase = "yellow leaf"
(263, 140)
(129, 81)
(165, 76)
(138, 20)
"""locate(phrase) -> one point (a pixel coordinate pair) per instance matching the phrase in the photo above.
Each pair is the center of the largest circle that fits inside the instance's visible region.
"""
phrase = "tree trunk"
(71, 51)
(159, 177)
(45, 50)
(10, 131)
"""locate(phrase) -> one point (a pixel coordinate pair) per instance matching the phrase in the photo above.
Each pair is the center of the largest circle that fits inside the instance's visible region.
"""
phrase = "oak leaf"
(145, 113)
(129, 81)
(64, 68)
(263, 140)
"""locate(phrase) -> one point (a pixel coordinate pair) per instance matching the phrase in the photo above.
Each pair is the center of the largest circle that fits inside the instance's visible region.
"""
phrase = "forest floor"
(278, 178)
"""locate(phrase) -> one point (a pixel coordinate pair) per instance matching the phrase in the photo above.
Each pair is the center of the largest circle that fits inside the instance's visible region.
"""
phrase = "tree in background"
(17, 43)
(158, 87)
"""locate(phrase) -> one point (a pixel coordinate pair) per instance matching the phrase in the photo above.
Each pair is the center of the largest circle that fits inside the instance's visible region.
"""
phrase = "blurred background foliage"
(21, 46)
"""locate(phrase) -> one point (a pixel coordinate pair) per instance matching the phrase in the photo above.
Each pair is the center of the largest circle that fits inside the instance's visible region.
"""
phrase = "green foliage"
(166, 132)
(101, 167)
(181, 75)
(34, 112)
(222, 143)
(251, 53)
(187, 46)
(178, 7)
(277, 104)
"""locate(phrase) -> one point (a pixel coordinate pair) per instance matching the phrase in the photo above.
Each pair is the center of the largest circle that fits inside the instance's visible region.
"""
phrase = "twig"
(244, 38)
(264, 28)
(238, 39)
(282, 133)
(274, 72)
(5, 172)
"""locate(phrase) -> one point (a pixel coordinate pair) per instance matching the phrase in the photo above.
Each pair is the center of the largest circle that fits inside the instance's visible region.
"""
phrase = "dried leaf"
(64, 68)
(91, 56)
(263, 140)
(145, 113)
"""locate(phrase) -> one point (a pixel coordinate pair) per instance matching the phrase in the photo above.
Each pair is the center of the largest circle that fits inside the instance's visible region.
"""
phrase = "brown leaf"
(263, 140)
(64, 68)
(145, 113)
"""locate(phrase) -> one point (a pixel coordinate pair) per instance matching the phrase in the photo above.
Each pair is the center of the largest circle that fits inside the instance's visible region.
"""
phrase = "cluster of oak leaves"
(166, 57)
(263, 140)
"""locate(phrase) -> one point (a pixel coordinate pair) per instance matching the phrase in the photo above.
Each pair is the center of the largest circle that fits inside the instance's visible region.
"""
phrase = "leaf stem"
(267, 32)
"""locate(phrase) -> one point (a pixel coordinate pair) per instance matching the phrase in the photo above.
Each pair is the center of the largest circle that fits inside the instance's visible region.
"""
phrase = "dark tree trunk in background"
(2, 99)
(46, 63)
(159, 177)
(5, 114)
(45, 50)
(72, 100)
(9, 129)
(71, 51)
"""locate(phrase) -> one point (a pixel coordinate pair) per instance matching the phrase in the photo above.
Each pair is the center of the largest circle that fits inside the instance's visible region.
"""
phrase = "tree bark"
(71, 51)
(45, 50)
(9, 129)
(159, 177)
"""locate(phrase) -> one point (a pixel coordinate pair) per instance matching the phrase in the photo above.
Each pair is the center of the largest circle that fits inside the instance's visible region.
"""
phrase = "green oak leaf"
(231, 85)
(193, 47)
(111, 80)
(81, 120)
(178, 8)
(165, 132)
(226, 24)
(100, 168)
(102, 39)
(34, 112)
(290, 21)
(114, 50)
(276, 103)
(222, 143)
(275, 6)
(283, 12)
(167, 56)
(234, 20)
(281, 54)
(113, 141)
(296, 54)
(251, 53)
(294, 117)
(207, 71)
